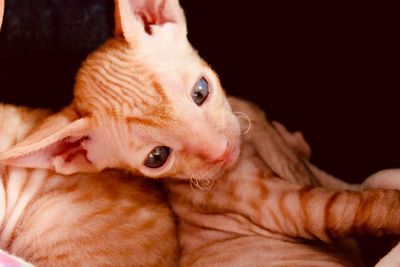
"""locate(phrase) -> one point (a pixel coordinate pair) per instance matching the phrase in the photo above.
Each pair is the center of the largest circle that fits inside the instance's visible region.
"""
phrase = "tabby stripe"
(288, 221)
(327, 214)
(305, 197)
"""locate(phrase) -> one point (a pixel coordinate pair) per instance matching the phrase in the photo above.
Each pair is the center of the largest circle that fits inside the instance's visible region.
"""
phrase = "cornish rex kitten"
(146, 102)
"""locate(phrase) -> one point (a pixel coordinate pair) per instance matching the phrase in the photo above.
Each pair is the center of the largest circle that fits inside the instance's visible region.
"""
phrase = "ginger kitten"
(146, 102)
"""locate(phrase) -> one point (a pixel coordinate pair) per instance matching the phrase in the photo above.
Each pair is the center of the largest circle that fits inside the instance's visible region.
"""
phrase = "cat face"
(144, 101)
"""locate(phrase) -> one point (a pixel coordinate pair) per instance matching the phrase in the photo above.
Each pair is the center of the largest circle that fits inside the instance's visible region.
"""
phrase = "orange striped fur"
(105, 219)
(255, 215)
(251, 200)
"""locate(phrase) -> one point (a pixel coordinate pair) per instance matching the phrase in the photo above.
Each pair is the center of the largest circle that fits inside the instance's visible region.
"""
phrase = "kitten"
(146, 102)
(104, 219)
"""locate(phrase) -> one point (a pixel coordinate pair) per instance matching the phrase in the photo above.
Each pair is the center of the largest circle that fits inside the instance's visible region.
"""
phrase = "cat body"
(146, 102)
(106, 219)
(252, 216)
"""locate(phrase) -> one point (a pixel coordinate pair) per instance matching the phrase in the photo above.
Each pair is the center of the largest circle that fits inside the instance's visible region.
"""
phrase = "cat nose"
(225, 154)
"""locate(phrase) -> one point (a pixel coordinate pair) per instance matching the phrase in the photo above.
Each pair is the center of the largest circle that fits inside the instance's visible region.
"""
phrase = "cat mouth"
(220, 169)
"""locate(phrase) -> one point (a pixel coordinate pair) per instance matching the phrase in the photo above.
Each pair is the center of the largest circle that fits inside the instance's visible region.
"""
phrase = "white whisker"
(204, 184)
(242, 115)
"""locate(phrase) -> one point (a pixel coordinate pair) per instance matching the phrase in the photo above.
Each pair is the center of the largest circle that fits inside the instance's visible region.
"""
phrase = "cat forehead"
(122, 76)
(172, 63)
(170, 56)
(161, 52)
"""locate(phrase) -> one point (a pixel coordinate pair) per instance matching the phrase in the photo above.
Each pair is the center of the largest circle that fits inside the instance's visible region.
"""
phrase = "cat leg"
(388, 179)
(313, 213)
(327, 214)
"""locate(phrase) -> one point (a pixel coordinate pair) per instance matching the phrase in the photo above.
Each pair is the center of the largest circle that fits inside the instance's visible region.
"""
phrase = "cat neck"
(212, 208)
(248, 169)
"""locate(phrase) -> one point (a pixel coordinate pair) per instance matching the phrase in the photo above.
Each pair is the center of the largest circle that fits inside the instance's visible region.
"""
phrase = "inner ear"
(133, 17)
(68, 149)
(152, 13)
(147, 23)
(65, 156)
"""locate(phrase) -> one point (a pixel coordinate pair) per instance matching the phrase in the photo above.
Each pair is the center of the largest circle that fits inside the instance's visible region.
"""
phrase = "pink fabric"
(7, 260)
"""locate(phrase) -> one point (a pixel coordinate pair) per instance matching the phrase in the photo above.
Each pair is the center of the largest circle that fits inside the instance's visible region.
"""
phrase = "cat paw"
(385, 179)
(392, 259)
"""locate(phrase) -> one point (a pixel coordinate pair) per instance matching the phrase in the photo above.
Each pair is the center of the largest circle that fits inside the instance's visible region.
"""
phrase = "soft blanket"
(7, 260)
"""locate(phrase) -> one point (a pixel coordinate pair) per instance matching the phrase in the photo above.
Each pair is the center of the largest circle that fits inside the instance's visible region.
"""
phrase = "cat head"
(144, 101)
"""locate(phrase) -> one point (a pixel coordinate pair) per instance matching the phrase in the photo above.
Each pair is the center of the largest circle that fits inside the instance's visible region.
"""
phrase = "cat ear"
(136, 17)
(60, 144)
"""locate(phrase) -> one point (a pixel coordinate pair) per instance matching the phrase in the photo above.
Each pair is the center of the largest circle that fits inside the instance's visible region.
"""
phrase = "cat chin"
(232, 159)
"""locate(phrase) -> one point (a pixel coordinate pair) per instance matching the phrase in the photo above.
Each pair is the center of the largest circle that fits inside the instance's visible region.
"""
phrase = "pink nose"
(225, 155)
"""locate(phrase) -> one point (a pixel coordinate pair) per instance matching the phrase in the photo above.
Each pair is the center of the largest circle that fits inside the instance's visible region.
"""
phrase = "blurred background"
(330, 70)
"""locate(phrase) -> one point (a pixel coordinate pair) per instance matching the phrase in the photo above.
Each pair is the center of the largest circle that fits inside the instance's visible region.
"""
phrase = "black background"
(327, 69)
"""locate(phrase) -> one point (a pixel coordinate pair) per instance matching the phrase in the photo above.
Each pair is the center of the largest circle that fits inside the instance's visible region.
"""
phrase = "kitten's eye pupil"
(157, 157)
(200, 91)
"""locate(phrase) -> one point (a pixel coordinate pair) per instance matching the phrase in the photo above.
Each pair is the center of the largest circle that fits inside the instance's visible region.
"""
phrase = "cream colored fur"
(105, 219)
(133, 94)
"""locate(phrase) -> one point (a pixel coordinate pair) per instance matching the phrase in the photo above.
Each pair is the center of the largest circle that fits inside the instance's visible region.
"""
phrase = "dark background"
(327, 69)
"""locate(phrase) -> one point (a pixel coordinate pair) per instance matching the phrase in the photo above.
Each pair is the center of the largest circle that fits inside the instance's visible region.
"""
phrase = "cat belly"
(255, 251)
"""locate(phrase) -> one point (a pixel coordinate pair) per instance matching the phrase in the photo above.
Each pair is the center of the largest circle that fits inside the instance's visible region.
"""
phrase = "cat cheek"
(98, 155)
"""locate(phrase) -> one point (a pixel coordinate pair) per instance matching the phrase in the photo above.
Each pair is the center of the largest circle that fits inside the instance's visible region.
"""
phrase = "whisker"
(203, 184)
(242, 115)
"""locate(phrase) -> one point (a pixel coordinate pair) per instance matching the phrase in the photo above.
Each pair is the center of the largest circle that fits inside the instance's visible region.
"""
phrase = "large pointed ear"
(61, 144)
(134, 18)
(1, 12)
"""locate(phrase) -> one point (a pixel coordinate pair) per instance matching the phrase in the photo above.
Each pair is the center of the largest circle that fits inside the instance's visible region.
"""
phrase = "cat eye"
(200, 91)
(157, 157)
